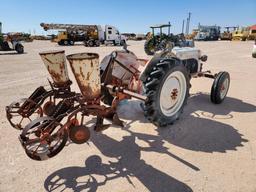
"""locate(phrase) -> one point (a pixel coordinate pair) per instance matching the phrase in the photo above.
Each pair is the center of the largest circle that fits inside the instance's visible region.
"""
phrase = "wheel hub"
(173, 93)
(224, 88)
(79, 134)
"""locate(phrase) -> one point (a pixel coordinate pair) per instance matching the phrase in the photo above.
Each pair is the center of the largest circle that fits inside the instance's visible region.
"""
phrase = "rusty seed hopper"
(55, 63)
(85, 67)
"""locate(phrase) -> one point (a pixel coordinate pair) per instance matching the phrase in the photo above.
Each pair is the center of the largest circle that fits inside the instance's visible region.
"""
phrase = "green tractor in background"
(7, 39)
(161, 41)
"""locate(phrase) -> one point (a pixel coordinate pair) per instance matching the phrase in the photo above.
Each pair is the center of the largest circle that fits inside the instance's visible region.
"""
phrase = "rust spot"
(81, 72)
(88, 76)
(174, 94)
(56, 77)
(62, 68)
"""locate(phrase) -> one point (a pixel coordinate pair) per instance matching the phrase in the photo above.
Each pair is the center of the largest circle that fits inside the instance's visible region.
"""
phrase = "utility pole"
(183, 22)
(169, 27)
(188, 21)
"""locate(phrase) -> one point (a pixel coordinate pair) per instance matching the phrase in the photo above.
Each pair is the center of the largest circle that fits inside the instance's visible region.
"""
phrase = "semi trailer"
(91, 35)
(208, 33)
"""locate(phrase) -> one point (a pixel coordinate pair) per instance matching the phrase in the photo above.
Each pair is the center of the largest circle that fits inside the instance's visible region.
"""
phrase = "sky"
(128, 16)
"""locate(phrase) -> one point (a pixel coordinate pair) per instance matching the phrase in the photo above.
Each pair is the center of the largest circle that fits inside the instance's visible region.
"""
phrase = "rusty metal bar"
(130, 93)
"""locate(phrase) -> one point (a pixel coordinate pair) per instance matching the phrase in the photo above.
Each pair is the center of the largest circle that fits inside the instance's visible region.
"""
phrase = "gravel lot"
(210, 148)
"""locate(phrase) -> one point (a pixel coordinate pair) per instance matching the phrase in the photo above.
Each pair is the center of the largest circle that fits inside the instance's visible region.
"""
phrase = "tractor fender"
(154, 61)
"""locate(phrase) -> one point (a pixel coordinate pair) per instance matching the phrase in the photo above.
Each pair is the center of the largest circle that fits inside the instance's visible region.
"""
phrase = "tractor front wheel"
(220, 87)
(167, 90)
(149, 46)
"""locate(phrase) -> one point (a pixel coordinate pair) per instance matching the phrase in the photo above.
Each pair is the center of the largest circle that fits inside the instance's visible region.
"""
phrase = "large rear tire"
(149, 46)
(167, 90)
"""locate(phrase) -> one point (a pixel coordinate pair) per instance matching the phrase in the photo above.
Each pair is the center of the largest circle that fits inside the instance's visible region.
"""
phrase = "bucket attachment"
(85, 67)
(55, 63)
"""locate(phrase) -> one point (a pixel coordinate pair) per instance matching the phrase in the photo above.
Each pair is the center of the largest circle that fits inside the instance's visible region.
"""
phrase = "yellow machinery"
(192, 35)
(241, 34)
(227, 34)
(70, 33)
(60, 36)
(252, 33)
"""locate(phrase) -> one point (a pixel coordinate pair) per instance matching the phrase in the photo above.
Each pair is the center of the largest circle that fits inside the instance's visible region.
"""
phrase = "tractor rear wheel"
(167, 90)
(149, 46)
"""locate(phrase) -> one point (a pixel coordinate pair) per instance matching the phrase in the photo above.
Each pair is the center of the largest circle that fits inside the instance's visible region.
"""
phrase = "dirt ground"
(210, 148)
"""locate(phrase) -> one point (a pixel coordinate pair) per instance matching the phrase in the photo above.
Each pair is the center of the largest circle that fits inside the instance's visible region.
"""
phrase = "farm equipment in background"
(208, 33)
(192, 35)
(241, 34)
(254, 49)
(10, 42)
(91, 35)
(162, 84)
(161, 41)
(252, 33)
(227, 35)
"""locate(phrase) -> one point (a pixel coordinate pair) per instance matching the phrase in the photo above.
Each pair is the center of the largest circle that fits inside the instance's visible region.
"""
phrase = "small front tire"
(220, 87)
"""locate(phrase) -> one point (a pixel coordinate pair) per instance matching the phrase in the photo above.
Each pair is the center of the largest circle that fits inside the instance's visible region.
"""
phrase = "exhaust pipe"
(85, 67)
(55, 62)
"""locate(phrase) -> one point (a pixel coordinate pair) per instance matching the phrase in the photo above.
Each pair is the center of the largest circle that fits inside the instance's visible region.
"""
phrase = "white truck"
(110, 35)
(91, 35)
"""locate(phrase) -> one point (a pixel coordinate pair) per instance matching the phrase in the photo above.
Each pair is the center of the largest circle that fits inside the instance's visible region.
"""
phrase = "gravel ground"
(210, 148)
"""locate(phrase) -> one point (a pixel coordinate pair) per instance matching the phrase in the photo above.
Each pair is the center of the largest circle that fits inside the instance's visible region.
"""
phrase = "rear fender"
(153, 62)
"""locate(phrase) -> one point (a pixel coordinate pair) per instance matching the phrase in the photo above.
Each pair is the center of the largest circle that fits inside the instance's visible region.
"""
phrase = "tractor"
(241, 34)
(161, 41)
(227, 35)
(10, 39)
(161, 84)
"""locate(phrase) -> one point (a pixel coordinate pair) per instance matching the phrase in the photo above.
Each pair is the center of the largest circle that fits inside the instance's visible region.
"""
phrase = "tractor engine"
(189, 57)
